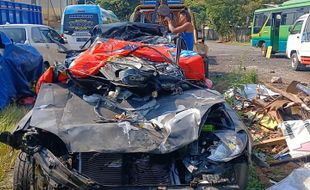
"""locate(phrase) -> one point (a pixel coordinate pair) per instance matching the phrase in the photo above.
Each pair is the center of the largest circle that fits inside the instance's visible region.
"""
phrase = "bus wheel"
(263, 49)
(296, 65)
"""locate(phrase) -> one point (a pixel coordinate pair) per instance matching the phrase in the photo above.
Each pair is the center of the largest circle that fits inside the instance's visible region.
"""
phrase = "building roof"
(286, 5)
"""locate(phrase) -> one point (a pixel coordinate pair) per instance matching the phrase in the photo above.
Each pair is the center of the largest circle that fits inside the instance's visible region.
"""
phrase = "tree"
(224, 15)
(121, 8)
(227, 16)
(198, 7)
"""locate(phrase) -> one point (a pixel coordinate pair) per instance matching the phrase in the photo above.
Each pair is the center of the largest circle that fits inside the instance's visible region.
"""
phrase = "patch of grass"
(8, 119)
(235, 79)
(253, 181)
(240, 76)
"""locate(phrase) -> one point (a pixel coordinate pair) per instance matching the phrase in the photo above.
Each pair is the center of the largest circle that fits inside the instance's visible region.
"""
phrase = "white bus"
(79, 20)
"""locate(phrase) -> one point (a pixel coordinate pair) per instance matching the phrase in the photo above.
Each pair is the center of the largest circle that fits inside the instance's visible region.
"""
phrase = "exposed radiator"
(148, 171)
(106, 169)
(130, 169)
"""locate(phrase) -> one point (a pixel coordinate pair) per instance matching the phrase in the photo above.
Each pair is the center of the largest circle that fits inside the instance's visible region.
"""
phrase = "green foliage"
(223, 15)
(121, 8)
(239, 77)
(199, 9)
(226, 16)
(254, 183)
(235, 79)
(8, 119)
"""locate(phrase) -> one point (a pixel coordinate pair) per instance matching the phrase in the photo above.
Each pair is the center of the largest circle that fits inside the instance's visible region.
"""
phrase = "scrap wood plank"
(303, 159)
(259, 102)
(289, 96)
(269, 142)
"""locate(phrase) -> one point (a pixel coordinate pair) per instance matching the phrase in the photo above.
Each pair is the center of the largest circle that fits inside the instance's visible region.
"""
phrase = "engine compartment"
(191, 164)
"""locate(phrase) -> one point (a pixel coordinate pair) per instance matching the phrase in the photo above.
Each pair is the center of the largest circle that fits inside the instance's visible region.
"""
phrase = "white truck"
(298, 43)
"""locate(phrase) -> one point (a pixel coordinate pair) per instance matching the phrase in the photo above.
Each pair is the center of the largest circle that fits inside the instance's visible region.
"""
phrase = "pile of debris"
(279, 120)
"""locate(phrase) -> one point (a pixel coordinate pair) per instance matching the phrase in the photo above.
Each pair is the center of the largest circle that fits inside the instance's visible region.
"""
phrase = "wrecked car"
(129, 115)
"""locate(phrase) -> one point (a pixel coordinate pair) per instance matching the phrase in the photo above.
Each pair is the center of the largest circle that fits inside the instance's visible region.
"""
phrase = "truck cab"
(154, 11)
(298, 43)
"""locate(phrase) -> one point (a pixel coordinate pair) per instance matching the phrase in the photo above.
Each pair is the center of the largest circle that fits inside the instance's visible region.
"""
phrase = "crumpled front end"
(193, 140)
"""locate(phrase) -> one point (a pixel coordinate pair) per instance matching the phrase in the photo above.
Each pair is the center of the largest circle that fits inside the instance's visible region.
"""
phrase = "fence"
(240, 35)
(243, 35)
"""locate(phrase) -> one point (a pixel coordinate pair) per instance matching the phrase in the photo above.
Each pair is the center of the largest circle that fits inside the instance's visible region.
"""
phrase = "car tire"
(263, 49)
(296, 65)
(241, 173)
(22, 173)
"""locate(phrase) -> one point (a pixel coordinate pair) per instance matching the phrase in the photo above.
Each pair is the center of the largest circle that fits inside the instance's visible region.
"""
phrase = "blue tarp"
(20, 65)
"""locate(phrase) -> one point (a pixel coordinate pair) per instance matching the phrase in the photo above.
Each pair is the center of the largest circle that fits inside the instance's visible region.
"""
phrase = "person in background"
(185, 28)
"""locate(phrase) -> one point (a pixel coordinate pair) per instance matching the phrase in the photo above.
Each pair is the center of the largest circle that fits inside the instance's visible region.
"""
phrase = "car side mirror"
(65, 40)
(62, 41)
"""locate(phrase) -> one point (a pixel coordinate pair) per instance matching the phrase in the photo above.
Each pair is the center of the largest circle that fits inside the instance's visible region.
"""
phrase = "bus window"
(79, 22)
(259, 22)
(297, 27)
(287, 19)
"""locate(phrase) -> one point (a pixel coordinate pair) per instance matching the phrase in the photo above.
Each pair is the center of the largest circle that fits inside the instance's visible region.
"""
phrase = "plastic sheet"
(130, 31)
(19, 65)
(297, 136)
(299, 179)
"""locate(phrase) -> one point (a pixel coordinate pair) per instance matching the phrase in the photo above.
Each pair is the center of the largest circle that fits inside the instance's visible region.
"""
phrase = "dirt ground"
(224, 58)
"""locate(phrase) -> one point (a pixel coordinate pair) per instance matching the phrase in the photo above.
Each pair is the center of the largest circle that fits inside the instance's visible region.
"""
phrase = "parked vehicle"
(39, 37)
(298, 43)
(270, 26)
(78, 20)
(128, 115)
(20, 13)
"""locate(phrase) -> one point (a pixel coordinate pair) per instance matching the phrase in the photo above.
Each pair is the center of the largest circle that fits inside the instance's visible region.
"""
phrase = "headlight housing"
(230, 146)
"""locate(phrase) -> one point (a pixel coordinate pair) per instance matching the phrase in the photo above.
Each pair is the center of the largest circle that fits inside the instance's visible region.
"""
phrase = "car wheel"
(241, 173)
(22, 173)
(296, 65)
(22, 178)
(263, 49)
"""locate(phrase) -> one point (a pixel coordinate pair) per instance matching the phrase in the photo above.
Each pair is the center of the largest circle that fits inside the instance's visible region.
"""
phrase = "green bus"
(271, 25)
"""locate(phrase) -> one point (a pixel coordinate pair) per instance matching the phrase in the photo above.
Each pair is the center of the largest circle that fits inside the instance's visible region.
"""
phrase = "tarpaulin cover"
(19, 65)
(90, 61)
(129, 31)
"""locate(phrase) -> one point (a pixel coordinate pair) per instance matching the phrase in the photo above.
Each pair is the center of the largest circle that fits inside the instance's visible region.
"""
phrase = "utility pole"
(48, 12)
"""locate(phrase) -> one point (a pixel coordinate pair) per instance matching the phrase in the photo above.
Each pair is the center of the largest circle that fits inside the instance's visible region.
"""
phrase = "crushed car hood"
(165, 124)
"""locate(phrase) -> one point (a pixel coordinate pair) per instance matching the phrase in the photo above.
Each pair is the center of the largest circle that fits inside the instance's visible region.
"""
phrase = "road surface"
(225, 58)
